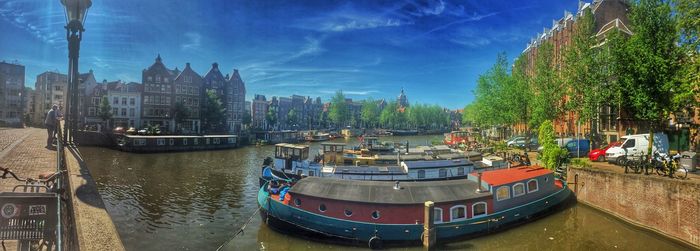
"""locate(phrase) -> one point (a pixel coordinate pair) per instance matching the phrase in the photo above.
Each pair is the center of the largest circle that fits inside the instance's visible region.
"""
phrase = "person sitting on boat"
(274, 187)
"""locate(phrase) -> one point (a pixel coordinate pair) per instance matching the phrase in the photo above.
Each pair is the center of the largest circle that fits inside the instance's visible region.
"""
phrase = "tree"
(213, 112)
(246, 119)
(551, 152)
(292, 117)
(688, 15)
(180, 113)
(651, 57)
(546, 93)
(104, 111)
(338, 112)
(370, 113)
(271, 116)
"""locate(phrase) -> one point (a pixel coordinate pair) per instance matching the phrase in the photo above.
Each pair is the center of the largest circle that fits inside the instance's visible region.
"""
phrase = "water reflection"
(197, 200)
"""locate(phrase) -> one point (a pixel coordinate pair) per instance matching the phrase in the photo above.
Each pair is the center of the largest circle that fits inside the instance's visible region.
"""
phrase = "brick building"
(608, 15)
(49, 89)
(188, 93)
(157, 101)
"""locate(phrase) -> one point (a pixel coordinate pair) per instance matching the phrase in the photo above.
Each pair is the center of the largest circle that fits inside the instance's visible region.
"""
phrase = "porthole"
(297, 202)
(375, 215)
(348, 212)
(322, 207)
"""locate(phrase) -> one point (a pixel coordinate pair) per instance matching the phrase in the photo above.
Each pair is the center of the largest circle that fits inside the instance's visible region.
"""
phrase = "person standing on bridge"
(51, 122)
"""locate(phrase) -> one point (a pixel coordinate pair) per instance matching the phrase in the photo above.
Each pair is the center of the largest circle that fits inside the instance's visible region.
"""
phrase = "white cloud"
(194, 41)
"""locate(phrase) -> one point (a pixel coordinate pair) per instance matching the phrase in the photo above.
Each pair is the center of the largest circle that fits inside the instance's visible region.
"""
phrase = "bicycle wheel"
(681, 173)
(660, 170)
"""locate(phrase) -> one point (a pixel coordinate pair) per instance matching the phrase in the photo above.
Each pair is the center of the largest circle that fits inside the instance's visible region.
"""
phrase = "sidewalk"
(22, 151)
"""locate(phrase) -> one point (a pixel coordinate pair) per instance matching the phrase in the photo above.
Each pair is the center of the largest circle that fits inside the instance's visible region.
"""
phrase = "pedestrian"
(51, 122)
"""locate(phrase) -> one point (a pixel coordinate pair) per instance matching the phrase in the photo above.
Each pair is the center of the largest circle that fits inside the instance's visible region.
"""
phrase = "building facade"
(125, 101)
(11, 94)
(258, 112)
(49, 89)
(158, 99)
(188, 94)
(236, 92)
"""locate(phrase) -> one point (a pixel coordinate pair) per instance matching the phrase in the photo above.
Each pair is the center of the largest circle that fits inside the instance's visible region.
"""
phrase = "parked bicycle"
(29, 213)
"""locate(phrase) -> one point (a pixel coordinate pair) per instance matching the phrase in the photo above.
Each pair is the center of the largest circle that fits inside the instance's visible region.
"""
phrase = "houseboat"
(291, 161)
(375, 212)
(317, 137)
(173, 143)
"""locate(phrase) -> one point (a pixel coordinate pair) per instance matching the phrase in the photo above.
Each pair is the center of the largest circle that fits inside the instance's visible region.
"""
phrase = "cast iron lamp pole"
(76, 10)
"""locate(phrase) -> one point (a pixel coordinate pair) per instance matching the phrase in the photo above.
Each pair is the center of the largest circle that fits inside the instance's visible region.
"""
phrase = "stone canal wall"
(670, 207)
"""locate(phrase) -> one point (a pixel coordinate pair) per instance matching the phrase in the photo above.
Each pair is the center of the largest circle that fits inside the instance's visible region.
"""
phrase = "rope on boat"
(241, 229)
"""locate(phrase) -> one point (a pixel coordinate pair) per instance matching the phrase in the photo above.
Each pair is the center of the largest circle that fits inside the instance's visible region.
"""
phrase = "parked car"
(637, 145)
(578, 147)
(516, 141)
(599, 154)
(561, 142)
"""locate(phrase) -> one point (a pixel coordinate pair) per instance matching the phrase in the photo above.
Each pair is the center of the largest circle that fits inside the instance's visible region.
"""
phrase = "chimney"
(478, 188)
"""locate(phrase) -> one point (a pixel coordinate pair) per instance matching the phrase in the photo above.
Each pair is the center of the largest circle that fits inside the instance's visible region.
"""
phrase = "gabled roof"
(158, 65)
(615, 23)
(187, 70)
(214, 73)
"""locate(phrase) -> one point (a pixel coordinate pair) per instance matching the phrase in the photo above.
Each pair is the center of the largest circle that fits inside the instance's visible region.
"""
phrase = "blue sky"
(435, 50)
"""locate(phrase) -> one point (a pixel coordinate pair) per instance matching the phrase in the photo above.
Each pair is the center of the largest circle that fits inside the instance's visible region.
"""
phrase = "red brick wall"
(671, 207)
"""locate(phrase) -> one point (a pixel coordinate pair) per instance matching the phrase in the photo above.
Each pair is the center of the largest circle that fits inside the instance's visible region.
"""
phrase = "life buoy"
(375, 242)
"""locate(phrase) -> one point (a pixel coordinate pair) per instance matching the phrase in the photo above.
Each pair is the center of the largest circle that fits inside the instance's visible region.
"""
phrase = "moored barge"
(375, 212)
(174, 143)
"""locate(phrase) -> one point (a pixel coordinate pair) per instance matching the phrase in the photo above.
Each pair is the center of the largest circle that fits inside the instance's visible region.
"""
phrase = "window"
(312, 173)
(184, 142)
(518, 189)
(421, 174)
(458, 213)
(297, 202)
(460, 171)
(216, 141)
(116, 101)
(300, 172)
(532, 186)
(123, 111)
(629, 143)
(196, 141)
(172, 142)
(115, 111)
(132, 112)
(322, 207)
(348, 212)
(503, 193)
(437, 213)
(478, 209)
(132, 101)
(375, 215)
(123, 101)
(91, 111)
(157, 78)
(161, 142)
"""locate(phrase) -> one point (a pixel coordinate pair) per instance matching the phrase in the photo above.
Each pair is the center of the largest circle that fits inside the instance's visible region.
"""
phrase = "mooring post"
(429, 236)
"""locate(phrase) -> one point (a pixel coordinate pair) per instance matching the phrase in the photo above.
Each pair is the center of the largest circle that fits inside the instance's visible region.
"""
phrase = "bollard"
(429, 234)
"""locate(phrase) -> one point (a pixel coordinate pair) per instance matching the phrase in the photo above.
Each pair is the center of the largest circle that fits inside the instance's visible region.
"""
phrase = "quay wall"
(92, 226)
(86, 138)
(670, 207)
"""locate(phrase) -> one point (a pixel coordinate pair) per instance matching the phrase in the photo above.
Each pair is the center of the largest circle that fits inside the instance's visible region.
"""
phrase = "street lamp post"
(76, 10)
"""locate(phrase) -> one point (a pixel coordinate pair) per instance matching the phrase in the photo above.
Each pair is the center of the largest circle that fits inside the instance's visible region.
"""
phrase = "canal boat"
(292, 161)
(376, 213)
(455, 138)
(317, 137)
(173, 143)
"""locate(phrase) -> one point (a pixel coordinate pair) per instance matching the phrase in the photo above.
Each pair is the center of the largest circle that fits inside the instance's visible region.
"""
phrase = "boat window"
(375, 215)
(460, 171)
(437, 212)
(311, 173)
(458, 213)
(532, 186)
(161, 142)
(184, 142)
(299, 172)
(322, 207)
(172, 142)
(348, 212)
(443, 173)
(518, 189)
(216, 141)
(207, 140)
(196, 141)
(503, 193)
(297, 202)
(421, 174)
(478, 209)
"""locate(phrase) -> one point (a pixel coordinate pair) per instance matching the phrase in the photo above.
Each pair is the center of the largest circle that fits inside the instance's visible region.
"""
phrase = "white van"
(637, 145)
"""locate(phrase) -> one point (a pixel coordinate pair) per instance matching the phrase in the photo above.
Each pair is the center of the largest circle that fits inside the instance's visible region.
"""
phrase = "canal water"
(198, 200)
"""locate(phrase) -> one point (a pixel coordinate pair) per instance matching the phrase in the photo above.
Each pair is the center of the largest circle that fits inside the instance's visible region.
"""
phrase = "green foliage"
(180, 112)
(271, 116)
(370, 113)
(550, 150)
(213, 112)
(582, 162)
(427, 116)
(688, 16)
(247, 119)
(104, 111)
(338, 112)
(546, 96)
(391, 117)
(292, 117)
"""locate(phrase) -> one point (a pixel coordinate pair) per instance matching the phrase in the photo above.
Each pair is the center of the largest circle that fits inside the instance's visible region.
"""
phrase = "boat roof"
(332, 144)
(292, 145)
(368, 169)
(511, 175)
(383, 192)
(179, 136)
(437, 163)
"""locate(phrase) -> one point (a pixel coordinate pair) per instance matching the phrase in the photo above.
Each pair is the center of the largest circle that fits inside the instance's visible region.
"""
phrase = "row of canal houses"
(154, 101)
